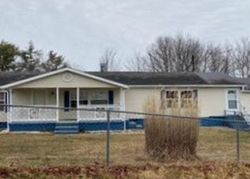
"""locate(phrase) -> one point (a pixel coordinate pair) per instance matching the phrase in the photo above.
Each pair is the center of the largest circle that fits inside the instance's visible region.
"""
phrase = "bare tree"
(204, 66)
(138, 63)
(169, 54)
(216, 58)
(242, 57)
(227, 60)
(108, 61)
(186, 54)
(215, 55)
(161, 55)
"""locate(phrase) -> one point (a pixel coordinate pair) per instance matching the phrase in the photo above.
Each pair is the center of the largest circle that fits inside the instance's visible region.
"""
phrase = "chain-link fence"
(46, 135)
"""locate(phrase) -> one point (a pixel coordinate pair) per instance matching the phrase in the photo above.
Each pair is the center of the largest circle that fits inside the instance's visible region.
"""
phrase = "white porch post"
(122, 107)
(78, 103)
(57, 104)
(122, 99)
(9, 112)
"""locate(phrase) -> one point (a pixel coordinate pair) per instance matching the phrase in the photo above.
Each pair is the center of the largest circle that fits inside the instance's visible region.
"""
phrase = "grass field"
(127, 149)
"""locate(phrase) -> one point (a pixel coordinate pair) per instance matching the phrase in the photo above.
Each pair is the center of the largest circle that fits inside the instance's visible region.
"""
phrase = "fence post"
(108, 139)
(237, 137)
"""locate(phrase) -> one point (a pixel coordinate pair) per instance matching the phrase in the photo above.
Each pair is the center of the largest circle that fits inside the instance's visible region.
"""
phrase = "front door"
(66, 100)
(69, 113)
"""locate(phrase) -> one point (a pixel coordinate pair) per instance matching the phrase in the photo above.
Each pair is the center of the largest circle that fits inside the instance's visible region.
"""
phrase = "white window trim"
(91, 93)
(165, 99)
(237, 98)
(90, 98)
(5, 100)
(81, 91)
(191, 99)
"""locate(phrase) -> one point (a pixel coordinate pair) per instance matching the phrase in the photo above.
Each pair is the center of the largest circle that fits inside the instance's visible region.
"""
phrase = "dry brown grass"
(71, 156)
(171, 137)
(215, 170)
(39, 150)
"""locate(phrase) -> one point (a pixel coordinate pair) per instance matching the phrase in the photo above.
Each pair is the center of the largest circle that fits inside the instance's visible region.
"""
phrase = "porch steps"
(66, 128)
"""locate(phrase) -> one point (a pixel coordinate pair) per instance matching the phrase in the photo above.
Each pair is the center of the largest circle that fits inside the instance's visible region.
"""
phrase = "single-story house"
(35, 96)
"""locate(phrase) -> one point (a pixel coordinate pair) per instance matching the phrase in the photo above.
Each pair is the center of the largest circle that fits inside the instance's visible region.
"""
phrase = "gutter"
(185, 86)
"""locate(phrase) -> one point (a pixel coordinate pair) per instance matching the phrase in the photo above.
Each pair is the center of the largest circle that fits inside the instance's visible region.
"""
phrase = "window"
(232, 99)
(188, 97)
(171, 98)
(73, 99)
(84, 98)
(99, 97)
(2, 100)
(177, 98)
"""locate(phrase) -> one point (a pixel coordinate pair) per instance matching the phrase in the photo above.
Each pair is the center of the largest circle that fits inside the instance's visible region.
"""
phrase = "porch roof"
(11, 79)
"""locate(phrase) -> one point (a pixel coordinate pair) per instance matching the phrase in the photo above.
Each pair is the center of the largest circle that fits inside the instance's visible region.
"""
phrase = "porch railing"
(52, 113)
(99, 113)
(33, 113)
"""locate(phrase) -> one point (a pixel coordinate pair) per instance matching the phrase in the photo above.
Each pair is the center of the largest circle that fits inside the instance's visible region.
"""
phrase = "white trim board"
(187, 86)
(60, 71)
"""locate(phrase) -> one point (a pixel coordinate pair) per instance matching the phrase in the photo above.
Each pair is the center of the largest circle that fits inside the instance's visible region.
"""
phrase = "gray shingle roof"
(164, 78)
(141, 78)
(10, 77)
(245, 81)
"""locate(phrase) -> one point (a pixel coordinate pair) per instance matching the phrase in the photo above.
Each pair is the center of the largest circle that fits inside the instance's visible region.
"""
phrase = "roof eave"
(189, 85)
(17, 83)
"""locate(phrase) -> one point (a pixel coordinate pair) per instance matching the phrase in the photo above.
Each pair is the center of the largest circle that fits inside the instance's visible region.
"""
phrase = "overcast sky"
(81, 30)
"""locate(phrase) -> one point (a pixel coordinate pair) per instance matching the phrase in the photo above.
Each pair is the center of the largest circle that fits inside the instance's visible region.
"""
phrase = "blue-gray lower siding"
(32, 126)
(3, 125)
(226, 121)
(100, 126)
(87, 126)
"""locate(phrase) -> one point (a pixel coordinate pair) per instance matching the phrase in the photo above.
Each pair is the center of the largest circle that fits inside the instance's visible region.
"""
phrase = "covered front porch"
(64, 104)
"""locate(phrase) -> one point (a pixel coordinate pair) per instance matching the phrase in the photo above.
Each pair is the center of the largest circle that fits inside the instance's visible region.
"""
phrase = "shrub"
(171, 137)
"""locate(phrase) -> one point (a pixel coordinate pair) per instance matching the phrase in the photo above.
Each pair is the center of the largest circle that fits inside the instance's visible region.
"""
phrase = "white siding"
(245, 101)
(211, 101)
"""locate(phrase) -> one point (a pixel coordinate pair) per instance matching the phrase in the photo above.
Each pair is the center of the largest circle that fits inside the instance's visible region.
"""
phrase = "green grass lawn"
(37, 150)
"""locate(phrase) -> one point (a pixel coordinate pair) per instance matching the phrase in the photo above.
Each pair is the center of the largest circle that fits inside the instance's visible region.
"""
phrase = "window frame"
(4, 101)
(83, 96)
(91, 97)
(237, 100)
(178, 101)
(72, 98)
(170, 102)
(188, 99)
